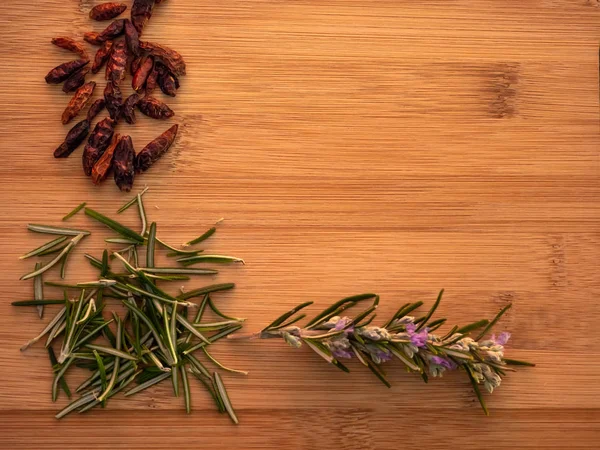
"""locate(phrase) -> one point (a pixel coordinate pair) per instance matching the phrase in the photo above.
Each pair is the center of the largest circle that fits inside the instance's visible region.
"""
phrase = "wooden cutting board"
(391, 146)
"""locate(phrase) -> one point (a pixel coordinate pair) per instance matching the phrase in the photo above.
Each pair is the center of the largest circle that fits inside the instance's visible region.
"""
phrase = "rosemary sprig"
(411, 340)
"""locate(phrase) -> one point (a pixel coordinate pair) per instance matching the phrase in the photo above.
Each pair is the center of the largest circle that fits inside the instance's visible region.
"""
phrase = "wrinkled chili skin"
(107, 11)
(64, 71)
(155, 149)
(132, 38)
(97, 143)
(154, 108)
(117, 63)
(92, 37)
(113, 99)
(167, 82)
(152, 80)
(103, 165)
(95, 109)
(115, 29)
(124, 164)
(75, 137)
(142, 73)
(135, 65)
(128, 110)
(76, 80)
(72, 45)
(101, 56)
(141, 11)
(78, 101)
(169, 57)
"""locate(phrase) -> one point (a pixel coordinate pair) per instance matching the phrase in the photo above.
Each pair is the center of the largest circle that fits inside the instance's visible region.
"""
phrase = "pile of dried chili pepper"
(150, 65)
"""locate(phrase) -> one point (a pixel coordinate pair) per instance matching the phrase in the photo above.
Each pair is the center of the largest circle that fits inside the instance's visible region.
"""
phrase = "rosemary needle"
(43, 248)
(75, 211)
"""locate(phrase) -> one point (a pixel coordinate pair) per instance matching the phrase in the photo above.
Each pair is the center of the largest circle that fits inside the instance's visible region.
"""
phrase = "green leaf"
(476, 389)
(75, 211)
(224, 397)
(151, 246)
(493, 322)
(114, 225)
(203, 237)
(335, 306)
(47, 246)
(287, 315)
(431, 311)
(131, 202)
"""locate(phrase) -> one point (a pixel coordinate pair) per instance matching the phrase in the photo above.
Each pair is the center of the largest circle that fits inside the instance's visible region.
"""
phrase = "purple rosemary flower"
(418, 339)
(343, 323)
(341, 353)
(444, 362)
(502, 338)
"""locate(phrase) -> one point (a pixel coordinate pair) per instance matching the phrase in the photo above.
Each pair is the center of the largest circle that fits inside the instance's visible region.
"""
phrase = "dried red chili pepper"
(95, 109)
(92, 37)
(76, 80)
(142, 73)
(74, 138)
(169, 57)
(123, 164)
(72, 45)
(78, 101)
(128, 110)
(141, 11)
(117, 63)
(112, 31)
(152, 107)
(102, 56)
(155, 149)
(167, 82)
(135, 64)
(64, 71)
(113, 100)
(97, 143)
(107, 11)
(152, 80)
(103, 165)
(132, 38)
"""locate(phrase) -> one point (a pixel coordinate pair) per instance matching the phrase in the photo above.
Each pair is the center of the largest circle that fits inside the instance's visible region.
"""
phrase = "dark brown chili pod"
(167, 82)
(135, 64)
(158, 2)
(75, 137)
(123, 164)
(113, 100)
(132, 38)
(72, 45)
(78, 101)
(169, 57)
(95, 109)
(76, 80)
(142, 73)
(152, 80)
(115, 29)
(117, 63)
(107, 11)
(128, 110)
(102, 56)
(141, 11)
(154, 108)
(103, 165)
(64, 71)
(97, 144)
(155, 149)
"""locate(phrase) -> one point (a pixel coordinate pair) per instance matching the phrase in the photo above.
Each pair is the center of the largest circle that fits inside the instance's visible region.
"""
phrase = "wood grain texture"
(352, 145)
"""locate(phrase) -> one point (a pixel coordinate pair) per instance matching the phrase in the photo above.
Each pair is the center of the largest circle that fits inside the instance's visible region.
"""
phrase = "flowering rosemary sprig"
(334, 337)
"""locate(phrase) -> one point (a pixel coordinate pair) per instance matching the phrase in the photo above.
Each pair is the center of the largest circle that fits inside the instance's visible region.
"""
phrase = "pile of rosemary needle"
(160, 337)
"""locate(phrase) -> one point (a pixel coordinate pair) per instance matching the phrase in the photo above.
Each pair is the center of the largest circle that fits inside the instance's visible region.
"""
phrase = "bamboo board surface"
(352, 146)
